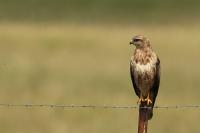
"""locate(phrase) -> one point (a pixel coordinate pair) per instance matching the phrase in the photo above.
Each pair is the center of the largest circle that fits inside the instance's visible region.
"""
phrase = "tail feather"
(149, 110)
(150, 113)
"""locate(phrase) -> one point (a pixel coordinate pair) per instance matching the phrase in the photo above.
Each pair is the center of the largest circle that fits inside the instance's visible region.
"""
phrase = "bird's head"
(140, 41)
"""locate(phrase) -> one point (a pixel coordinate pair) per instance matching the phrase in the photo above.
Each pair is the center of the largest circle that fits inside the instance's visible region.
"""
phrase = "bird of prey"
(145, 72)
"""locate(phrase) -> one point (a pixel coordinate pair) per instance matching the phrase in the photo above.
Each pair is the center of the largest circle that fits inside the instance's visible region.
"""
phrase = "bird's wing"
(155, 87)
(156, 84)
(132, 71)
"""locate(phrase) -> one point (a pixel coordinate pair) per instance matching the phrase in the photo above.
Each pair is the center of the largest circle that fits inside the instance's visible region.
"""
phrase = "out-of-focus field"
(89, 64)
(96, 11)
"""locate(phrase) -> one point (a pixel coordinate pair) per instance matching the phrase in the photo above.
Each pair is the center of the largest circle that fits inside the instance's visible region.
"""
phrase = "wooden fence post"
(143, 120)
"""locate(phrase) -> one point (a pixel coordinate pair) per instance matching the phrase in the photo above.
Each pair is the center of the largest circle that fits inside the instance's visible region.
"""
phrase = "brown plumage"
(145, 73)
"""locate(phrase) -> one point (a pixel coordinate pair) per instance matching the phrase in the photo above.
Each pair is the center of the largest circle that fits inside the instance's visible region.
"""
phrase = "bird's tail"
(150, 113)
(148, 110)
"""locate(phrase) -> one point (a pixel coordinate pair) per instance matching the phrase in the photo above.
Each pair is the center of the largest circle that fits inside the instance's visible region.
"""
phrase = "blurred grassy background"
(129, 11)
(77, 52)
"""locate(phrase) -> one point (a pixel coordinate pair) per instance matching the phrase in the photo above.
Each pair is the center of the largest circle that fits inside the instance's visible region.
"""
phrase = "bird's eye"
(136, 40)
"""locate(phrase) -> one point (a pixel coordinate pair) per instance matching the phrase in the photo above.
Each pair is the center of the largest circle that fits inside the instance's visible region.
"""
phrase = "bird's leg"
(141, 99)
(148, 100)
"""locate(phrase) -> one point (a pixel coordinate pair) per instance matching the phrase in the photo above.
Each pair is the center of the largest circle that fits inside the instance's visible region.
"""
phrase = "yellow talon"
(140, 100)
(148, 100)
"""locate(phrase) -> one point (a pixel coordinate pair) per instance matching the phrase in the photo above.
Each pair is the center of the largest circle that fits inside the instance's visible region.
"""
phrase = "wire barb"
(64, 106)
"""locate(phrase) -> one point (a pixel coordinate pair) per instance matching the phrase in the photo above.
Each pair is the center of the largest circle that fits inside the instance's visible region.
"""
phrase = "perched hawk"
(145, 72)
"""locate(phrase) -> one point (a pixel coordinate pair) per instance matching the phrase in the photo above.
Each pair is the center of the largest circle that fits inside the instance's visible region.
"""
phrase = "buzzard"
(145, 72)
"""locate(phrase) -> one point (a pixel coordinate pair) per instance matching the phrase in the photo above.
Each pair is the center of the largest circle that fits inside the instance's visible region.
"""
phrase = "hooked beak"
(131, 42)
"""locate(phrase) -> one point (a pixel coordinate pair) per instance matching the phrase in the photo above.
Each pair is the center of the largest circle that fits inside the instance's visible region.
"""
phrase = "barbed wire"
(64, 106)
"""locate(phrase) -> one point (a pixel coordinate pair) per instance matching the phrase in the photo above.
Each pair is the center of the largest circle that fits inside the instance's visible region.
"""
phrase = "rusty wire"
(79, 106)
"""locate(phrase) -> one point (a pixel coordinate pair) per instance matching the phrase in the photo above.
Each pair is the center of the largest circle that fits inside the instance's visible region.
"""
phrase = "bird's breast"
(141, 68)
(144, 76)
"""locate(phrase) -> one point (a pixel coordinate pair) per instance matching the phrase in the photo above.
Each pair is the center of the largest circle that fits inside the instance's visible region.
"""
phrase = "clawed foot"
(144, 100)
(148, 100)
(140, 100)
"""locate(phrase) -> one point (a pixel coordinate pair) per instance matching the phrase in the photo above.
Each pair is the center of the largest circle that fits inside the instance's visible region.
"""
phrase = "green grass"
(95, 11)
(89, 64)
